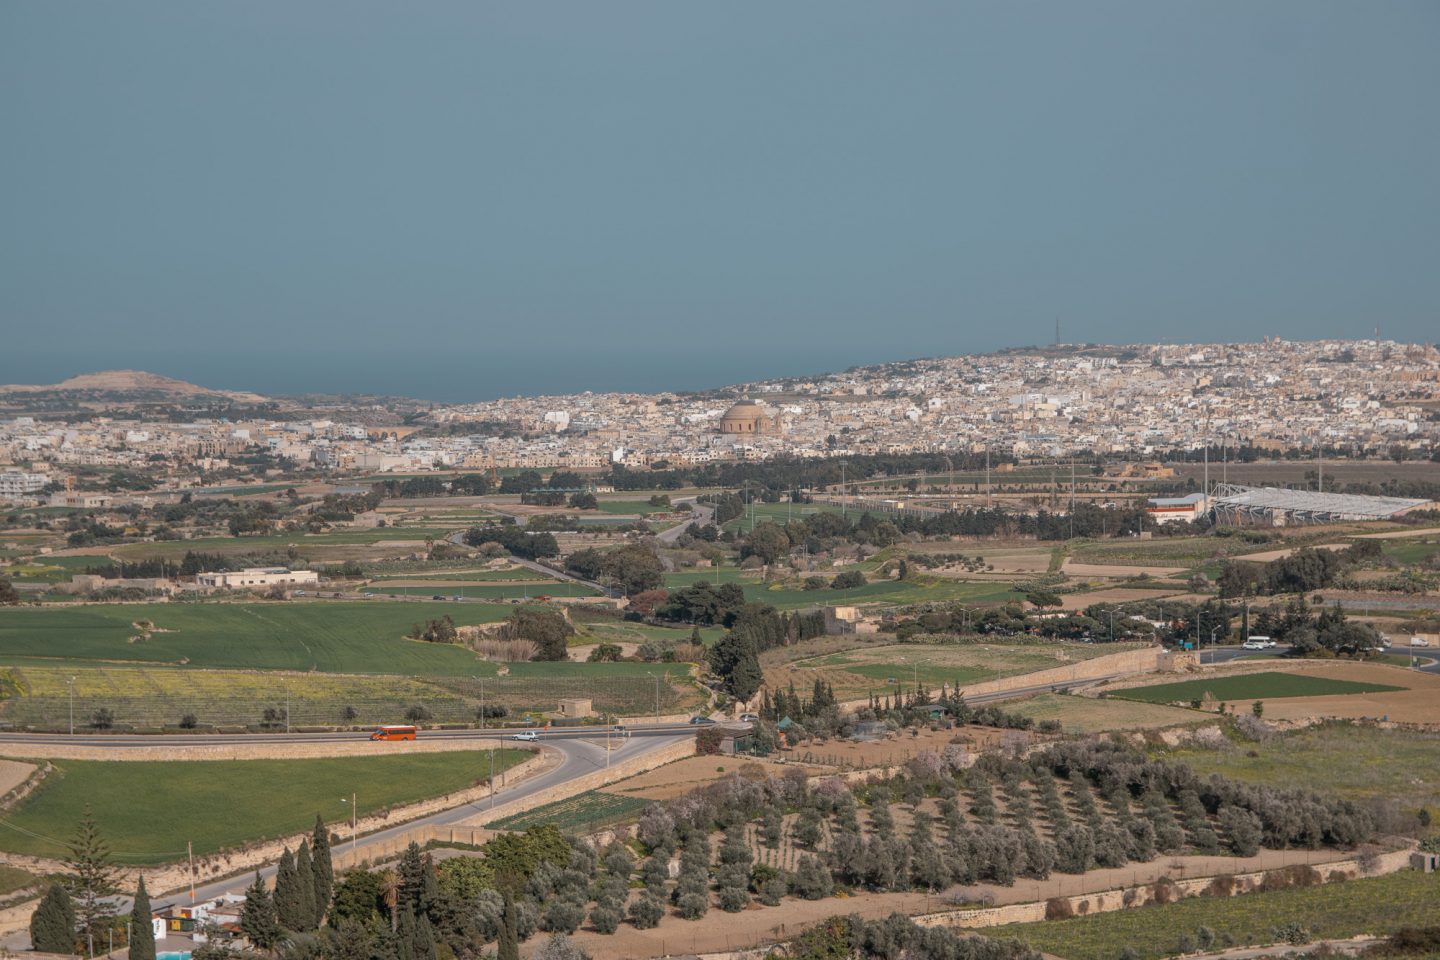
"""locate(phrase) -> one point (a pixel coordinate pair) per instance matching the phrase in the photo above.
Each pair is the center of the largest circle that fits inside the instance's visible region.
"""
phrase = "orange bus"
(394, 731)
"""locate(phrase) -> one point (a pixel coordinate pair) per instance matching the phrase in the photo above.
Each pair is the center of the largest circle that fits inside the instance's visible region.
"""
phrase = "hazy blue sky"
(462, 200)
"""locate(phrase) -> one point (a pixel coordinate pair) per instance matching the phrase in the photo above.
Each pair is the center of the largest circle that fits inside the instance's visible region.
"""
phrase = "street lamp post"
(354, 820)
(71, 685)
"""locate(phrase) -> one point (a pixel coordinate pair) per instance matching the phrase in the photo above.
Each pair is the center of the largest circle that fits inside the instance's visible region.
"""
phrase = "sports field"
(1251, 686)
(335, 637)
(155, 807)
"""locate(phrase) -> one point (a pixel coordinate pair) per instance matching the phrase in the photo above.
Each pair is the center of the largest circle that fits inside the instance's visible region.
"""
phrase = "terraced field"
(38, 696)
(583, 812)
(484, 591)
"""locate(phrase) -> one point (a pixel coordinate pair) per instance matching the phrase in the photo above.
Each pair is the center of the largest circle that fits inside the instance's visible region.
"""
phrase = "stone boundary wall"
(591, 781)
(650, 718)
(1106, 901)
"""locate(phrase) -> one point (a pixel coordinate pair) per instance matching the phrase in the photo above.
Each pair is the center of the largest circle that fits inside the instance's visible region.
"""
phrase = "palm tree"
(390, 890)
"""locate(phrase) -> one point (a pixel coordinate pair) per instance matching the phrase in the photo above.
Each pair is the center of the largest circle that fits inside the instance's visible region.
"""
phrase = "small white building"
(257, 577)
(1189, 508)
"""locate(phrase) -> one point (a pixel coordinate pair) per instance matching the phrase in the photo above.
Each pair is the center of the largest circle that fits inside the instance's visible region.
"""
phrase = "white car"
(1254, 645)
(749, 718)
(529, 736)
(1419, 642)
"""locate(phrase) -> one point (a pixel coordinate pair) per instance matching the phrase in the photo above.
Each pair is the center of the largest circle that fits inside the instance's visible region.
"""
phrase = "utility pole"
(492, 778)
(190, 855)
(72, 706)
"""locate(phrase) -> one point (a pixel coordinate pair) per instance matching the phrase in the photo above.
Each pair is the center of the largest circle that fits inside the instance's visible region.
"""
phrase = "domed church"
(747, 418)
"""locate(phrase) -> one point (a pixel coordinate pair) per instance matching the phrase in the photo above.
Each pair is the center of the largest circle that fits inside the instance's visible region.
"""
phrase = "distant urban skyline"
(563, 381)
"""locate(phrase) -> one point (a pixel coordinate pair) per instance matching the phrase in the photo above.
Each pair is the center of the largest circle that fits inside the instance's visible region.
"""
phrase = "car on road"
(1419, 642)
(701, 722)
(749, 718)
(437, 597)
(1254, 645)
(529, 736)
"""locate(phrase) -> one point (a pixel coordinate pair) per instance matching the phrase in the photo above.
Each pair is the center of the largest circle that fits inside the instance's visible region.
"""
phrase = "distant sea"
(462, 376)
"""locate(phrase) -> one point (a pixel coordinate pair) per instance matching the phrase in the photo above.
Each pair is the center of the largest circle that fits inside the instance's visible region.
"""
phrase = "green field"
(781, 512)
(463, 576)
(148, 810)
(1338, 910)
(1250, 686)
(334, 637)
(629, 507)
(1352, 760)
(486, 591)
(884, 591)
(1410, 552)
(303, 543)
(716, 575)
(13, 879)
(587, 810)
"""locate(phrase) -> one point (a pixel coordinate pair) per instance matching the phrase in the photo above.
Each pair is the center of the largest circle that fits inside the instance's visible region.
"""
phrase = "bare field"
(1079, 601)
(1418, 704)
(1115, 570)
(1090, 715)
(12, 774)
(679, 778)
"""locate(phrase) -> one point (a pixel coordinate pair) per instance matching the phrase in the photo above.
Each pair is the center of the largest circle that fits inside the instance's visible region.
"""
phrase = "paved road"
(122, 741)
(700, 514)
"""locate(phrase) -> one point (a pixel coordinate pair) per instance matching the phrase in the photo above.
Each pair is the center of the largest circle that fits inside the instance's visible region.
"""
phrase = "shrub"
(848, 580)
(605, 917)
(1059, 908)
(563, 916)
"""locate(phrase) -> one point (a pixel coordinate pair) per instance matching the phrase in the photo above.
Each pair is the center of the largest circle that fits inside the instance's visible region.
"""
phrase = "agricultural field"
(1356, 761)
(307, 545)
(462, 576)
(1251, 686)
(1334, 911)
(920, 590)
(629, 507)
(325, 636)
(482, 591)
(1091, 715)
(583, 812)
(623, 631)
(1411, 552)
(861, 671)
(13, 879)
(215, 803)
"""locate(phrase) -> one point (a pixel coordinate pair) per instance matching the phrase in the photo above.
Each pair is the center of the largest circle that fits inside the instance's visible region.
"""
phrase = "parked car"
(529, 736)
(749, 718)
(701, 721)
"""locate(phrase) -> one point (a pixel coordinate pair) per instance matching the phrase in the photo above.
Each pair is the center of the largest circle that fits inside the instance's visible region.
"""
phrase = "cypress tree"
(508, 944)
(288, 905)
(424, 944)
(305, 884)
(412, 876)
(257, 917)
(142, 934)
(52, 926)
(405, 941)
(324, 868)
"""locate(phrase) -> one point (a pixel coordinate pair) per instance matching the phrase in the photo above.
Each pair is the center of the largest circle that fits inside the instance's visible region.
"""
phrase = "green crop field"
(1410, 552)
(587, 810)
(629, 507)
(884, 591)
(486, 591)
(13, 879)
(1250, 686)
(176, 549)
(1337, 910)
(717, 575)
(153, 808)
(335, 637)
(1353, 760)
(463, 576)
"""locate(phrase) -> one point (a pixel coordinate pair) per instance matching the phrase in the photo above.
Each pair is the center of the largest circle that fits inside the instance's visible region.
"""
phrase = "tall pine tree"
(412, 877)
(324, 868)
(257, 917)
(305, 884)
(142, 934)
(91, 880)
(52, 925)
